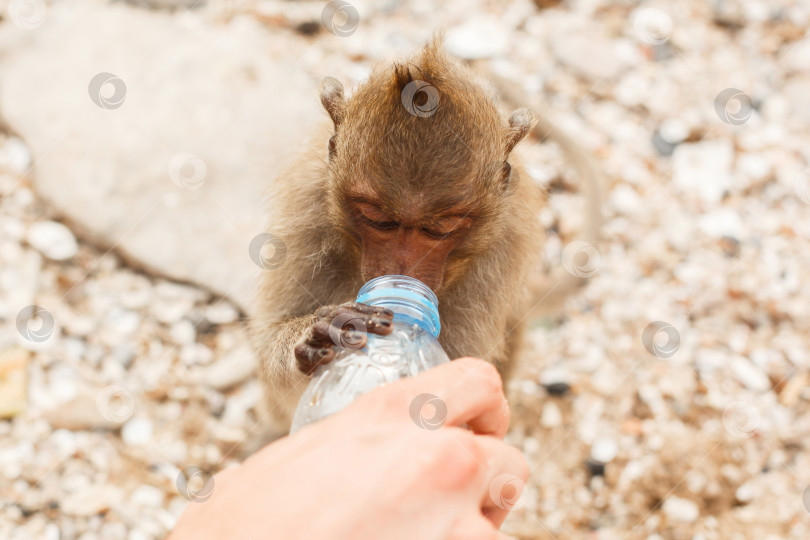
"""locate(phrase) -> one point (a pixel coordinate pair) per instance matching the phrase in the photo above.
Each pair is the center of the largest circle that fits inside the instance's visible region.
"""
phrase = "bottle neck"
(411, 300)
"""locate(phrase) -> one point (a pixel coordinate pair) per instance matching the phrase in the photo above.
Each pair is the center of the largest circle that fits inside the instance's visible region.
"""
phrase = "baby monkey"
(413, 176)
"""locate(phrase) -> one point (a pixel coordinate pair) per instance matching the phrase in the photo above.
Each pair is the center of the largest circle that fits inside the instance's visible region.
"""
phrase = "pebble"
(478, 37)
(13, 381)
(91, 500)
(588, 54)
(124, 353)
(221, 313)
(722, 222)
(746, 493)
(53, 240)
(137, 431)
(749, 375)
(147, 496)
(79, 413)
(704, 168)
(604, 450)
(551, 417)
(15, 157)
(679, 509)
(183, 332)
(196, 354)
(231, 369)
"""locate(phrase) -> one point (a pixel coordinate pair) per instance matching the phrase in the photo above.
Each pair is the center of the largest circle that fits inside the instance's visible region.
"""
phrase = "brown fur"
(454, 155)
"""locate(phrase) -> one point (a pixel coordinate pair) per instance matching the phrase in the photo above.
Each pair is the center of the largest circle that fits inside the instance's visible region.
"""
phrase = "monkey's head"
(419, 178)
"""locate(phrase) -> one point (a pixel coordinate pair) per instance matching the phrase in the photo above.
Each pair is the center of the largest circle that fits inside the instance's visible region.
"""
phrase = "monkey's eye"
(446, 227)
(374, 217)
(382, 225)
(437, 235)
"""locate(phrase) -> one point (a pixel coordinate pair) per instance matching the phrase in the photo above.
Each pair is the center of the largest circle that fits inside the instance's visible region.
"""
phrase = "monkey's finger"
(308, 358)
(321, 334)
(366, 309)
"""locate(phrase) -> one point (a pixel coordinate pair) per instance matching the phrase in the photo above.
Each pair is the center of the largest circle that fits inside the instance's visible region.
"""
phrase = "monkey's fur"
(486, 294)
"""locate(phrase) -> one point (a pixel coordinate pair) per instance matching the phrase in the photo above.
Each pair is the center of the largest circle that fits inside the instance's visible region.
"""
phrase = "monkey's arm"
(274, 342)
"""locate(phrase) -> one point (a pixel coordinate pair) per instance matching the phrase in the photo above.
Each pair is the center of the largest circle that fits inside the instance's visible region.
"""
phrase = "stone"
(79, 413)
(556, 381)
(137, 431)
(704, 168)
(551, 416)
(604, 450)
(722, 222)
(53, 240)
(221, 313)
(15, 156)
(588, 54)
(91, 500)
(147, 496)
(749, 375)
(478, 37)
(196, 354)
(13, 381)
(682, 510)
(231, 369)
(181, 198)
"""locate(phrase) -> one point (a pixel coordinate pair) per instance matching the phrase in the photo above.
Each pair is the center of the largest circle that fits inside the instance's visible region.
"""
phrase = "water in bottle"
(410, 348)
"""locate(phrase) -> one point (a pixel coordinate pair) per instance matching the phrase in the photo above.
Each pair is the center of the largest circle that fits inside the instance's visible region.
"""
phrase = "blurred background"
(668, 399)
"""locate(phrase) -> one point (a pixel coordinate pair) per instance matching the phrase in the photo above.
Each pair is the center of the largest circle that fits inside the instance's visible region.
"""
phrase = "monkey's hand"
(344, 326)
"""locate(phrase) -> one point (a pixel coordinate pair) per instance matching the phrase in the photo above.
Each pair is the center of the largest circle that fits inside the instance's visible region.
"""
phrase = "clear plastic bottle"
(410, 348)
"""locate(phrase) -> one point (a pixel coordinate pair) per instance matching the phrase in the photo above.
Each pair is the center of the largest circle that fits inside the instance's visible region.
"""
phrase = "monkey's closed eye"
(382, 225)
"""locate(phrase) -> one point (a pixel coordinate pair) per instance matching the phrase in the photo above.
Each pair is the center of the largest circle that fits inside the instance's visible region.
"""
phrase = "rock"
(13, 381)
(625, 199)
(797, 93)
(196, 354)
(551, 417)
(604, 450)
(704, 168)
(183, 332)
(746, 493)
(15, 156)
(478, 37)
(221, 313)
(53, 240)
(243, 106)
(147, 496)
(91, 500)
(596, 468)
(792, 390)
(229, 370)
(661, 145)
(674, 130)
(80, 412)
(749, 375)
(678, 509)
(556, 381)
(589, 54)
(722, 222)
(137, 432)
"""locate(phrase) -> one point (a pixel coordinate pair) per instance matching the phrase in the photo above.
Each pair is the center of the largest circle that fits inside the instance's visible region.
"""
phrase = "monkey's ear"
(333, 100)
(520, 123)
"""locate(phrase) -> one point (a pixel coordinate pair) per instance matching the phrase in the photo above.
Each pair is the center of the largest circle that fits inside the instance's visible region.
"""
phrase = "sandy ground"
(667, 399)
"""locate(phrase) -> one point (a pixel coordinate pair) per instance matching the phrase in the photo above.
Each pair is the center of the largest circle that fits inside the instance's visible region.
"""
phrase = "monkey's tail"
(550, 293)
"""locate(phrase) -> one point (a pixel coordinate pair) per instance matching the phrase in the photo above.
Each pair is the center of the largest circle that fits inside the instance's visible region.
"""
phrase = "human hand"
(371, 471)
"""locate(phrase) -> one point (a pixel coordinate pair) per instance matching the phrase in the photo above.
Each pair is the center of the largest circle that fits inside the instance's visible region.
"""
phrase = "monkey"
(413, 174)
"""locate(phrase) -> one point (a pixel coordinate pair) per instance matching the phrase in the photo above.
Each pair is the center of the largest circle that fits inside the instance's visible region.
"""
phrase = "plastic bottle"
(410, 348)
